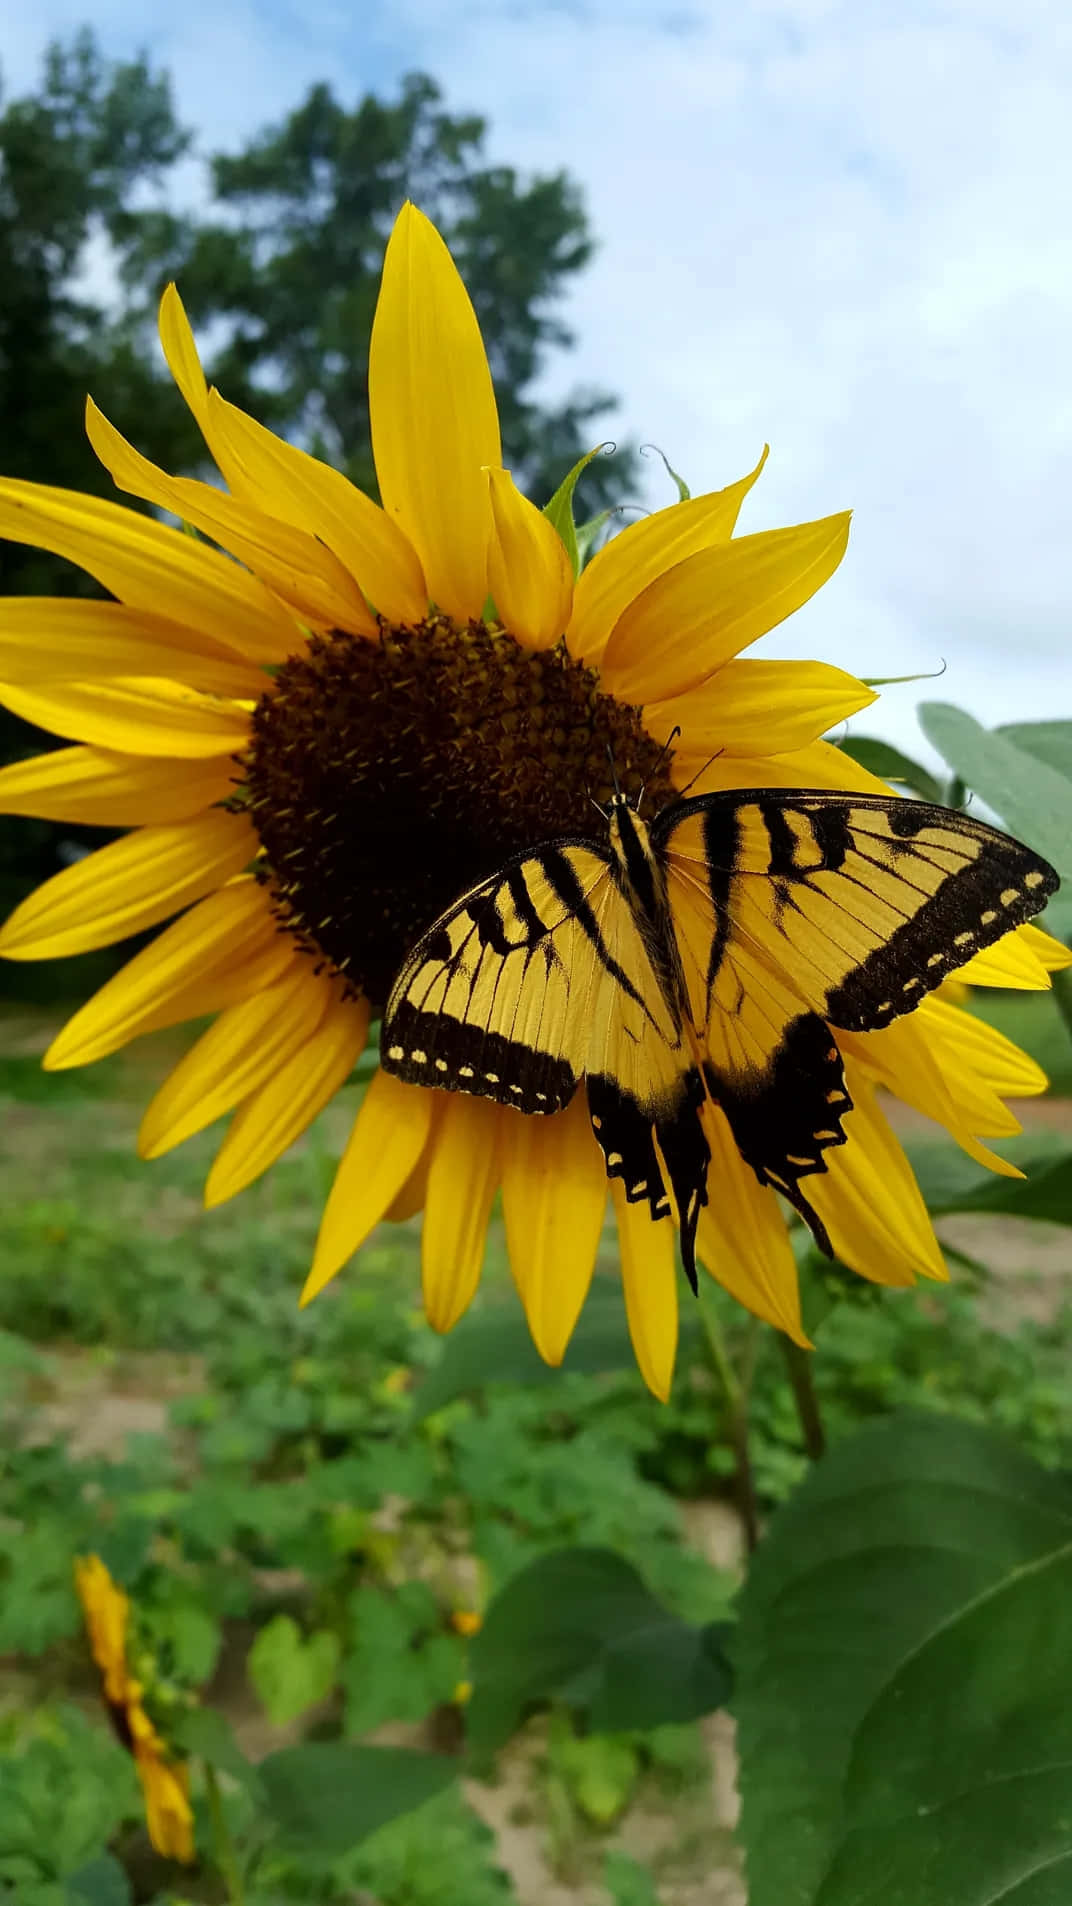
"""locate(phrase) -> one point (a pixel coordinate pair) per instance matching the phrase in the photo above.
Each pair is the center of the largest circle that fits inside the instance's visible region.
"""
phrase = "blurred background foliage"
(277, 250)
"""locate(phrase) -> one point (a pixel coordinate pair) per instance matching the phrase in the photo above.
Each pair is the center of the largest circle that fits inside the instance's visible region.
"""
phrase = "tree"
(283, 267)
(291, 265)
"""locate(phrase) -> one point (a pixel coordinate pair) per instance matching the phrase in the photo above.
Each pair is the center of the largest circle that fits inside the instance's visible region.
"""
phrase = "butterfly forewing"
(495, 1000)
(865, 904)
(806, 910)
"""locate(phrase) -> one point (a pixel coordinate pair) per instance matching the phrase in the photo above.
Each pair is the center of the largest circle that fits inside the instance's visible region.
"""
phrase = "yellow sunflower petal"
(529, 575)
(53, 638)
(969, 1044)
(218, 953)
(301, 490)
(241, 1051)
(433, 415)
(281, 1110)
(390, 1133)
(463, 1175)
(554, 1196)
(144, 563)
(130, 884)
(646, 550)
(913, 1060)
(112, 790)
(820, 765)
(1051, 954)
(869, 1200)
(296, 566)
(1022, 961)
(180, 352)
(135, 717)
(758, 708)
(742, 1239)
(648, 1249)
(694, 617)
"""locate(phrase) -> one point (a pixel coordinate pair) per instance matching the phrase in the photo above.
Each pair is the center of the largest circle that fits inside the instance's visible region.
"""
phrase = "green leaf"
(101, 1882)
(325, 1797)
(1049, 741)
(951, 1182)
(291, 1673)
(203, 1733)
(494, 1345)
(580, 1626)
(1032, 798)
(399, 1664)
(600, 1771)
(559, 510)
(627, 1881)
(878, 757)
(902, 1663)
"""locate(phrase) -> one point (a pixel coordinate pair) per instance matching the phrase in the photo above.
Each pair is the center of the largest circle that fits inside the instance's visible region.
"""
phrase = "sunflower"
(324, 735)
(164, 1781)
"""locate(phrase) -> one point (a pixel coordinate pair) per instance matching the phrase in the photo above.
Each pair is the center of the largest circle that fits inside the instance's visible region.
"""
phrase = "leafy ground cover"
(308, 1506)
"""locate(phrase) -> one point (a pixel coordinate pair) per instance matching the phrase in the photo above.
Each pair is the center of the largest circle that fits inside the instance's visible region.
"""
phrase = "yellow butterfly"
(707, 955)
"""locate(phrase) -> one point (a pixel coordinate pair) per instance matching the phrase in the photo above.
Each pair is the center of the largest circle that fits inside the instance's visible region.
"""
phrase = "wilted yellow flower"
(164, 1781)
(319, 746)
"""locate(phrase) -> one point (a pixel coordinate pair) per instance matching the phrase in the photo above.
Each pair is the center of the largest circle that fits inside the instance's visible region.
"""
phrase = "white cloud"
(842, 227)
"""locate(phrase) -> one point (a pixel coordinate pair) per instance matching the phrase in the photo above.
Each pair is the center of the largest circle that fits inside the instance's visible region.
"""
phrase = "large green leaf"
(494, 1345)
(203, 1733)
(101, 1882)
(950, 1181)
(1049, 741)
(580, 1626)
(879, 757)
(1032, 798)
(902, 1662)
(325, 1797)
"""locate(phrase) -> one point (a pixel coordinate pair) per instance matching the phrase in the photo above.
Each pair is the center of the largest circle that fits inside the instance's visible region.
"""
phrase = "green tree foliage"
(291, 262)
(279, 268)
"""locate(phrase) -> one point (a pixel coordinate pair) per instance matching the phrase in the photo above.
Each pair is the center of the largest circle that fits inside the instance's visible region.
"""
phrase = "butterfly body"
(701, 962)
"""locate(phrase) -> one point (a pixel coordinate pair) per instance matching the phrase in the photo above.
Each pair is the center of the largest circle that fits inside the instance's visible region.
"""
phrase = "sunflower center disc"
(385, 777)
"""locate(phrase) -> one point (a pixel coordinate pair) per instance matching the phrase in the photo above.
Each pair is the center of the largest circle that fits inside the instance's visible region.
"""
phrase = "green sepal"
(559, 510)
(586, 533)
(891, 681)
(683, 491)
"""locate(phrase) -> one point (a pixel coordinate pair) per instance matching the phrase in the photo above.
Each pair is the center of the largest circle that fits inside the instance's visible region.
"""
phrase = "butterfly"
(706, 956)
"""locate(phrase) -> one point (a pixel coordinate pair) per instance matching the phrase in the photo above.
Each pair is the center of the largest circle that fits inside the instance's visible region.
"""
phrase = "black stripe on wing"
(784, 1119)
(433, 1049)
(636, 1145)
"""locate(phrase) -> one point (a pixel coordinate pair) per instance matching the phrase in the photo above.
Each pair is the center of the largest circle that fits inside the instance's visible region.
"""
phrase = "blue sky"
(842, 228)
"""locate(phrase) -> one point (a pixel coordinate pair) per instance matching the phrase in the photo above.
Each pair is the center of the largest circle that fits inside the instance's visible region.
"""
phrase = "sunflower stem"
(736, 1392)
(799, 1367)
(222, 1843)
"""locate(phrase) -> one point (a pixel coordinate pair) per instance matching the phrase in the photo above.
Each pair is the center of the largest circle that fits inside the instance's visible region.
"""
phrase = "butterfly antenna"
(681, 793)
(663, 752)
(613, 771)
